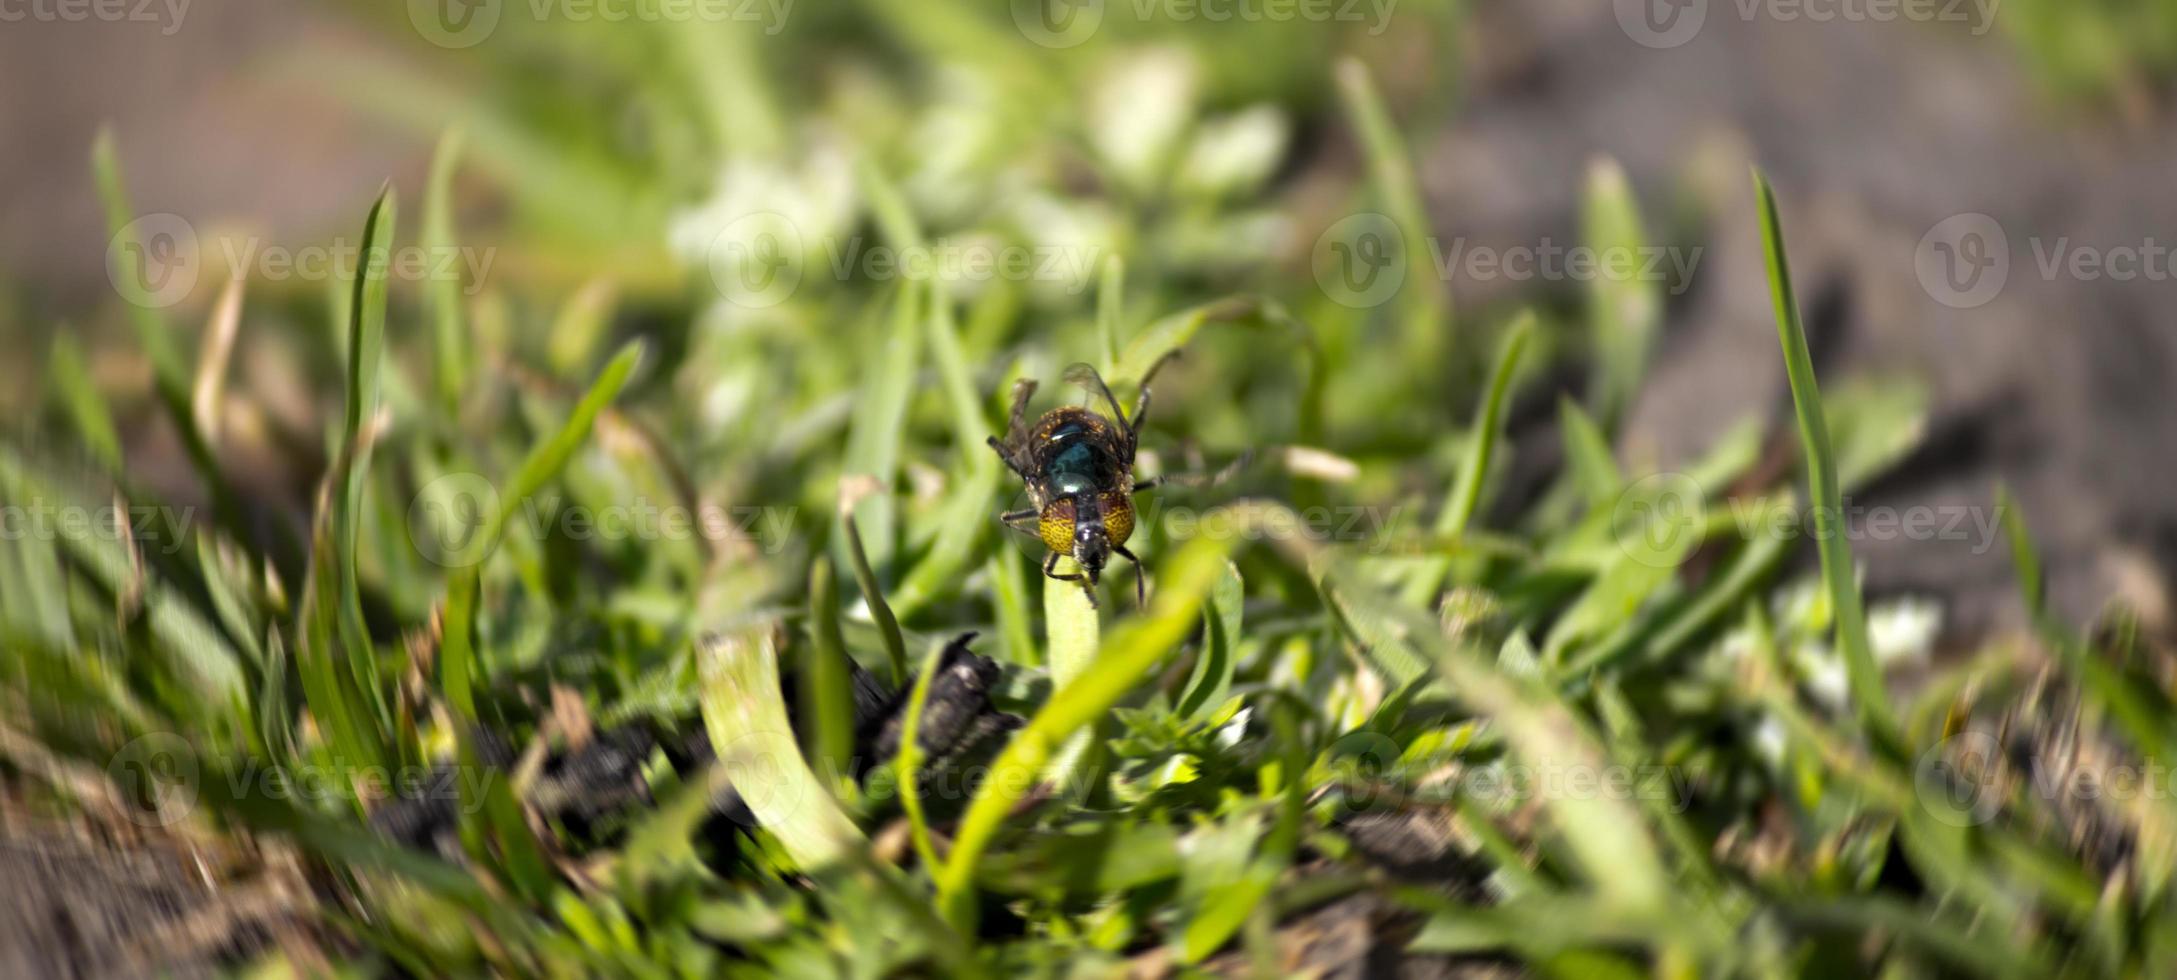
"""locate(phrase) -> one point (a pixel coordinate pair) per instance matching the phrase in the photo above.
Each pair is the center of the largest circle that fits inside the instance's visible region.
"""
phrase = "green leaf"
(747, 723)
(1624, 310)
(1870, 697)
(1212, 678)
(1466, 494)
(450, 343)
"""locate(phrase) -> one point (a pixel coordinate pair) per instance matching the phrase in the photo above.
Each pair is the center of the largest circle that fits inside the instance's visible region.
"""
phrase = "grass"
(1622, 717)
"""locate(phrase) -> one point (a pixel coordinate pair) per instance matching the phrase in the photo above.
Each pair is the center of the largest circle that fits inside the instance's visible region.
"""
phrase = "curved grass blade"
(1428, 312)
(1624, 310)
(86, 408)
(449, 331)
(1185, 580)
(826, 689)
(1871, 699)
(1466, 494)
(742, 710)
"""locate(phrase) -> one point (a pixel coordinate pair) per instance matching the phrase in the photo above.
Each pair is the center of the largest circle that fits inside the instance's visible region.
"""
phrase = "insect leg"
(1013, 519)
(1141, 401)
(1141, 576)
(1050, 570)
(1010, 463)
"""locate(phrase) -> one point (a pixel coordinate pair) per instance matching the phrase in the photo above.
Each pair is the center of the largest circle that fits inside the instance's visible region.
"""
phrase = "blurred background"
(605, 142)
(1339, 206)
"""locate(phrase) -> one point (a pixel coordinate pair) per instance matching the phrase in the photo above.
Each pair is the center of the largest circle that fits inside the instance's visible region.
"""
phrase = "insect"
(1079, 468)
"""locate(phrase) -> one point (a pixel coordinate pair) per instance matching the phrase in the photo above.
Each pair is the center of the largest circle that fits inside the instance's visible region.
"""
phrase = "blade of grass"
(366, 347)
(827, 697)
(1110, 300)
(1427, 306)
(1624, 309)
(1871, 699)
(170, 374)
(908, 762)
(449, 332)
(1466, 494)
(742, 711)
(865, 578)
(880, 419)
(1185, 580)
(86, 408)
(458, 665)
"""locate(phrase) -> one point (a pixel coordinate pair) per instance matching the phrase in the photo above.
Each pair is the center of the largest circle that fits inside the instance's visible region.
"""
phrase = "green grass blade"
(1871, 699)
(449, 329)
(1427, 307)
(827, 696)
(1624, 309)
(1466, 494)
(748, 729)
(880, 419)
(549, 458)
(1110, 306)
(880, 612)
(1185, 580)
(909, 761)
(86, 408)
